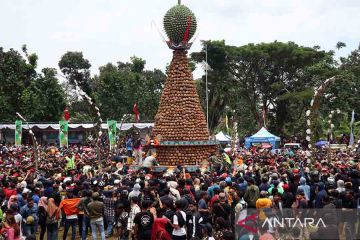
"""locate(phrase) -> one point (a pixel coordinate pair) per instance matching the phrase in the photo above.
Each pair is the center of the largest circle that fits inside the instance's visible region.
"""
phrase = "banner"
(112, 133)
(63, 134)
(18, 132)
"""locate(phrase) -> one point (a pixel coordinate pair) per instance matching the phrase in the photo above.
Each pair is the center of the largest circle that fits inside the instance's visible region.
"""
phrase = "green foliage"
(38, 97)
(76, 68)
(16, 75)
(44, 98)
(276, 77)
(219, 81)
(118, 88)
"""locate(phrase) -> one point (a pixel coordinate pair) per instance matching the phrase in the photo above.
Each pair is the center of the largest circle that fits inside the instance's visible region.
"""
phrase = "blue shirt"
(25, 212)
(129, 144)
(20, 200)
(211, 190)
(36, 198)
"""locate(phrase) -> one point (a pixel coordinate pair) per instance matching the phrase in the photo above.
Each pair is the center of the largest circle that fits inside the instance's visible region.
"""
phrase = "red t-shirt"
(213, 199)
(9, 192)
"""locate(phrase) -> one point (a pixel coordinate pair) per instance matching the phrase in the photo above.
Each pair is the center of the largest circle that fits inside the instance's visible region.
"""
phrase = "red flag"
(66, 114)
(136, 112)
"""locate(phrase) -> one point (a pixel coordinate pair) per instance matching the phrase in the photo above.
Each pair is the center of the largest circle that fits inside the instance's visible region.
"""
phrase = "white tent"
(221, 137)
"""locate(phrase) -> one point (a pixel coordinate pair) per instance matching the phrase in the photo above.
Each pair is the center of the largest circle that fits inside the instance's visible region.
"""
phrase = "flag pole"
(206, 87)
(37, 152)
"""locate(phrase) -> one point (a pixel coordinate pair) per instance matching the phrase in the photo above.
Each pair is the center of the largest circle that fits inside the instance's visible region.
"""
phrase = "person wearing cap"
(96, 209)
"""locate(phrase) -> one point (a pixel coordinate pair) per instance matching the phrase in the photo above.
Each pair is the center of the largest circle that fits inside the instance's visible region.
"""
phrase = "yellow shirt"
(261, 204)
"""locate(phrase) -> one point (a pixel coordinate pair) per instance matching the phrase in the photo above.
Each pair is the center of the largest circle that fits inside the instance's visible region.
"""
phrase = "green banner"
(63, 134)
(112, 133)
(18, 132)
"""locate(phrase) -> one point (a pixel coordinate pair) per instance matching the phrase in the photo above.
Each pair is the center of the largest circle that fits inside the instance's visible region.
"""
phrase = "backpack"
(181, 220)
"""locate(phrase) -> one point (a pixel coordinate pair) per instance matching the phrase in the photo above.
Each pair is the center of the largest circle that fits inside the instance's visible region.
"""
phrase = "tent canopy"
(262, 136)
(221, 137)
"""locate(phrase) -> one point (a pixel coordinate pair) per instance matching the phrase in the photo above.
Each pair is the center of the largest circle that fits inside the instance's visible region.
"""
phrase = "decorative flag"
(18, 132)
(263, 117)
(112, 133)
(351, 140)
(136, 112)
(227, 123)
(66, 115)
(63, 134)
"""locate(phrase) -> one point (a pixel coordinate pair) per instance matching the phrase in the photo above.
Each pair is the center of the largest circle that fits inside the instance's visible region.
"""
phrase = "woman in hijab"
(174, 193)
(340, 186)
(43, 205)
(135, 192)
(11, 229)
(12, 200)
(52, 212)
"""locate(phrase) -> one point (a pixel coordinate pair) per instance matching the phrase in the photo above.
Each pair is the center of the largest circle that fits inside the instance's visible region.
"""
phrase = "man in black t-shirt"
(221, 208)
(144, 221)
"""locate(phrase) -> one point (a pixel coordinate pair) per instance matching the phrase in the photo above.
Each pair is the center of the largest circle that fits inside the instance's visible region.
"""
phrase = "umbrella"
(321, 143)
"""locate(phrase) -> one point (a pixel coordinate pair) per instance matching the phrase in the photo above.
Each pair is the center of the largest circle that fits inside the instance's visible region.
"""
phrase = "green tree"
(44, 98)
(219, 80)
(119, 87)
(76, 68)
(16, 74)
(276, 77)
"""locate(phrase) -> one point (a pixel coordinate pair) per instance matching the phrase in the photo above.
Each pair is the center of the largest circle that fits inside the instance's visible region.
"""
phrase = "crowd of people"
(72, 195)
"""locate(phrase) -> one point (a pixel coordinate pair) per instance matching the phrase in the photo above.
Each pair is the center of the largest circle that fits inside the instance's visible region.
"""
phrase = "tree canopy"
(275, 79)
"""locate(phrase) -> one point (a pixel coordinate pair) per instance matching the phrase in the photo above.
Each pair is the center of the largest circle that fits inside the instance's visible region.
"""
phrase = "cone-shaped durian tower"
(180, 120)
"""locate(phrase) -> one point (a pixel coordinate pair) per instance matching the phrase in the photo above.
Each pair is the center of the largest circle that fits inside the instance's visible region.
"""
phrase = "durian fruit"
(176, 21)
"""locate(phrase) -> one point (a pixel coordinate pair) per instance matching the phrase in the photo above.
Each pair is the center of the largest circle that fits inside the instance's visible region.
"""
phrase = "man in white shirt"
(134, 210)
(179, 222)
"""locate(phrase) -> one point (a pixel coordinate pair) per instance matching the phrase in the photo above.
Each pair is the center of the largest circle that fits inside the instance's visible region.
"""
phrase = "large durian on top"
(176, 21)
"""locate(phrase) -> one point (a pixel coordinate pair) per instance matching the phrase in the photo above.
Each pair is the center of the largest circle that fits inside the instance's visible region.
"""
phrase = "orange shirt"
(70, 206)
(261, 204)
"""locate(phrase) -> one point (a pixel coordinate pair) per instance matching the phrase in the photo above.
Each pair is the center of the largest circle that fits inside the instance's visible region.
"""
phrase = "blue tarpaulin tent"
(263, 136)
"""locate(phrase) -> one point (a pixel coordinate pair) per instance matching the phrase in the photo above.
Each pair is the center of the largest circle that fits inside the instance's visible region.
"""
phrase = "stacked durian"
(180, 116)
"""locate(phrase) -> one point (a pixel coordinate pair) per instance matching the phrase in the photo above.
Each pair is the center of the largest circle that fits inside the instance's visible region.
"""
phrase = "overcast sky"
(113, 30)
